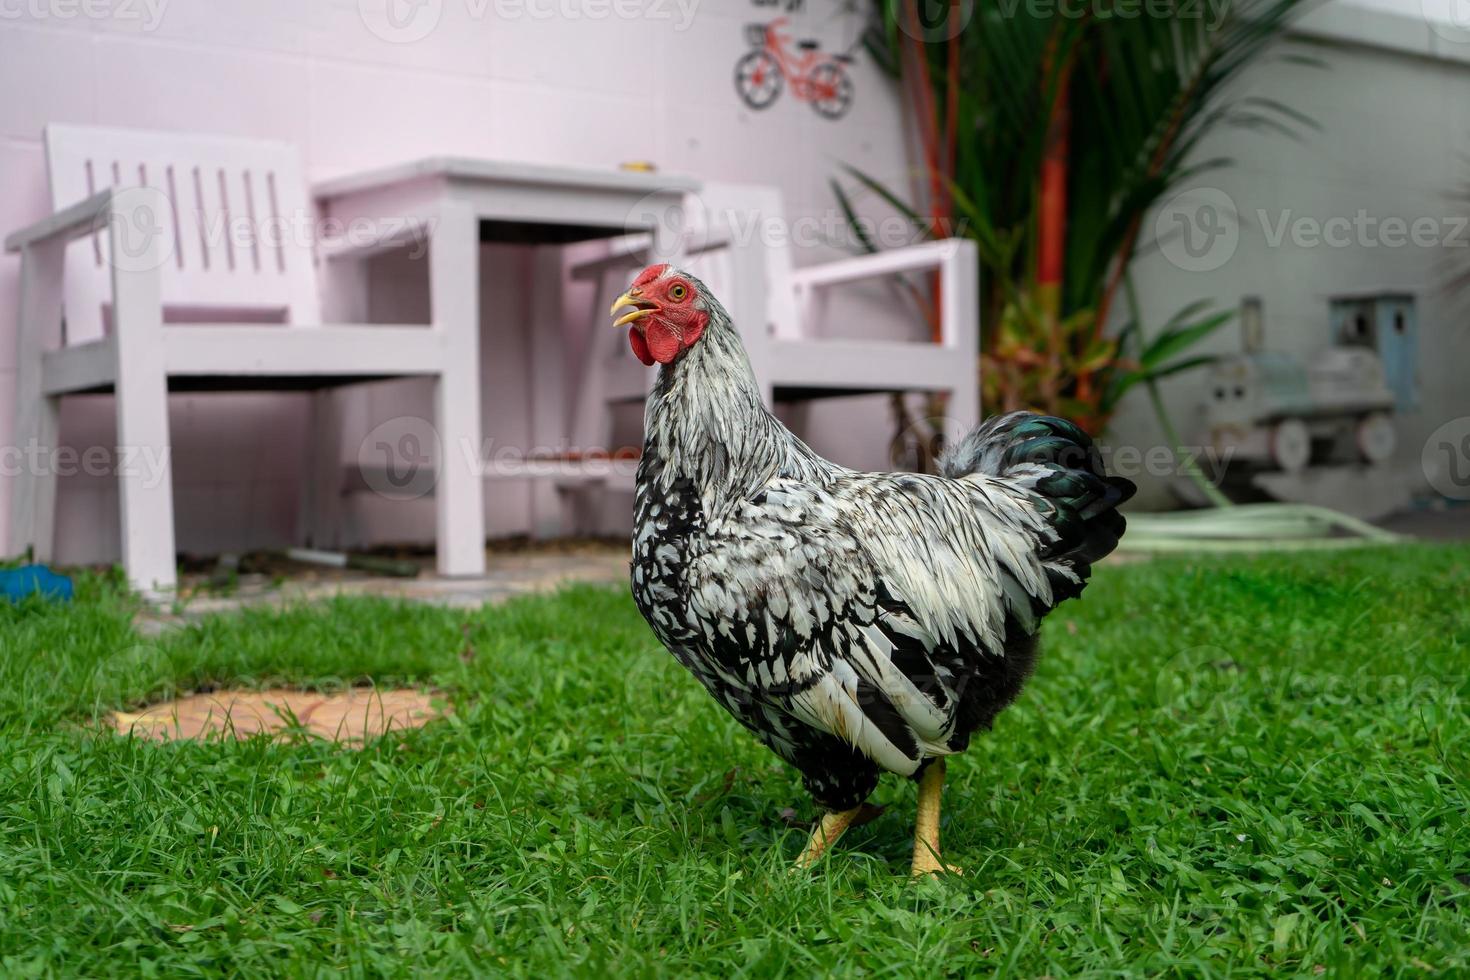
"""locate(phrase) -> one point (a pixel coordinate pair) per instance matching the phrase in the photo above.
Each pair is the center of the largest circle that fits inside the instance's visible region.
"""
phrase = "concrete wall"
(1392, 107)
(592, 87)
(571, 82)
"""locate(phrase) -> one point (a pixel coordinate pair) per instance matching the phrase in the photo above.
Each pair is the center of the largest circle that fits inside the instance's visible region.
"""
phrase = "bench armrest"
(630, 250)
(956, 260)
(635, 250)
(79, 219)
(924, 255)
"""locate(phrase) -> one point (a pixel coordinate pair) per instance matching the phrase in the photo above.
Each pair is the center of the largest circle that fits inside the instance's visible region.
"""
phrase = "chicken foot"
(830, 827)
(926, 824)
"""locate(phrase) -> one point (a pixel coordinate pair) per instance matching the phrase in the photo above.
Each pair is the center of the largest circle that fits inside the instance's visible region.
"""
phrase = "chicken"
(854, 622)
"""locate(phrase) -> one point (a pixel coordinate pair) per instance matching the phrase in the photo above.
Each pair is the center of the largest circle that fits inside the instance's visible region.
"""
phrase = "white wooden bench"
(736, 238)
(198, 273)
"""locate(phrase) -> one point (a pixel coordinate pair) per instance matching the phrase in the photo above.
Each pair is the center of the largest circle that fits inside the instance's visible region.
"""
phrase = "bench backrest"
(235, 220)
(750, 219)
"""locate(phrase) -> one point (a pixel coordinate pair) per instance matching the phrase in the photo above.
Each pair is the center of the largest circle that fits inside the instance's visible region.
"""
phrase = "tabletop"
(503, 172)
(517, 202)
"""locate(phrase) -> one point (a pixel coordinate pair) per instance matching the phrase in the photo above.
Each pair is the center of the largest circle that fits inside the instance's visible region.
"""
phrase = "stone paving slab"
(361, 713)
(507, 575)
(351, 716)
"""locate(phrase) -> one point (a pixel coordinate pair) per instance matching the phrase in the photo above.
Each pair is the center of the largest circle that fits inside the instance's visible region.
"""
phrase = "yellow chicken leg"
(825, 834)
(832, 826)
(926, 826)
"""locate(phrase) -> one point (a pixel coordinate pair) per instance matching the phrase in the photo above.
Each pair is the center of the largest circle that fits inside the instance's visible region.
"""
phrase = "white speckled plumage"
(854, 621)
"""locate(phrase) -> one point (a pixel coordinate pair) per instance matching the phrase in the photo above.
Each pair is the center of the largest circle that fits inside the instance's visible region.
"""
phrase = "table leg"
(454, 297)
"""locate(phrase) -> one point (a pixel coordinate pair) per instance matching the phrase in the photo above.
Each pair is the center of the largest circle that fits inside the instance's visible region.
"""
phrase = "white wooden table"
(456, 203)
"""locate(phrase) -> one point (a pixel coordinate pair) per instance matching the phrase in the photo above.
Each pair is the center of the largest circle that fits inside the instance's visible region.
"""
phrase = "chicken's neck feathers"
(705, 422)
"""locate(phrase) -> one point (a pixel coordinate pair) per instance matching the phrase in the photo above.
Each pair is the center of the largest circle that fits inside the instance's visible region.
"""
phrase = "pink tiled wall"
(511, 79)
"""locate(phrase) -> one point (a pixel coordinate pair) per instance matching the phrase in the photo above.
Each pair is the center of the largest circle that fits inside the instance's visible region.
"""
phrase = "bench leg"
(964, 407)
(145, 485)
(145, 473)
(33, 490)
(37, 416)
(320, 518)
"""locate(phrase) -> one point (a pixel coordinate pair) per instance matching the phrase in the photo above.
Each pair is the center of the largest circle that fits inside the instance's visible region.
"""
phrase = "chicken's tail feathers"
(1058, 462)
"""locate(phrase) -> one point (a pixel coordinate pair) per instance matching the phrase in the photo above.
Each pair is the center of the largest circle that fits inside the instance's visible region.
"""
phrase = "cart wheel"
(834, 90)
(1291, 445)
(758, 79)
(1376, 437)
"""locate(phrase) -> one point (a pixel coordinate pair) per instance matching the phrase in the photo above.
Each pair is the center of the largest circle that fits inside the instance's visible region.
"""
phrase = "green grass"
(1226, 767)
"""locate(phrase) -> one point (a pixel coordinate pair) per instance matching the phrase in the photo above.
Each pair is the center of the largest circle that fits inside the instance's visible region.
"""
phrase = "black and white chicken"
(855, 622)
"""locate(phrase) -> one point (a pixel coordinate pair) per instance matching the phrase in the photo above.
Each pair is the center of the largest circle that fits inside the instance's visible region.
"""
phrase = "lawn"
(1230, 767)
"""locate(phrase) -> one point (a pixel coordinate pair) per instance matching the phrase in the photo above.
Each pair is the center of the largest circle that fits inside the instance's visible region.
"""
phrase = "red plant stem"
(1051, 221)
(951, 112)
(944, 209)
(924, 104)
(1052, 217)
(928, 123)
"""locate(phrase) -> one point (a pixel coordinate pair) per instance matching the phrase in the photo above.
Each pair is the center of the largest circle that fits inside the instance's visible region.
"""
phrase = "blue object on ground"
(17, 583)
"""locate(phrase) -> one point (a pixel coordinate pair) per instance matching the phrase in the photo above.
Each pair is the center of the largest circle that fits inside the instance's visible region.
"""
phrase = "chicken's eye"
(677, 292)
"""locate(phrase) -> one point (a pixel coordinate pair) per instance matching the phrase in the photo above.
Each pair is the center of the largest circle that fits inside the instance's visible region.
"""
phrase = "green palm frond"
(1145, 87)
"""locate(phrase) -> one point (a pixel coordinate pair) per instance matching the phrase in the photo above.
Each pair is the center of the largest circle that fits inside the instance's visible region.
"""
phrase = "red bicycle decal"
(814, 77)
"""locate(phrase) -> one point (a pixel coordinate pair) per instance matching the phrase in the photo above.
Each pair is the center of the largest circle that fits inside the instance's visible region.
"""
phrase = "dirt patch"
(351, 716)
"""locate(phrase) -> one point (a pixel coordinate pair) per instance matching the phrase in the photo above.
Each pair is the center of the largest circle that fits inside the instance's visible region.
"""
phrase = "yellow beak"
(641, 308)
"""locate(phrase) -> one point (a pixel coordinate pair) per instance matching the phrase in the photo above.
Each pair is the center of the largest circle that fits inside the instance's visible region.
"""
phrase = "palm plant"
(1046, 135)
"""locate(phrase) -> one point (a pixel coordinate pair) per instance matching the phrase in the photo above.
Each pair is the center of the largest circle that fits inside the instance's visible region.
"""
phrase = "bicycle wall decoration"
(771, 65)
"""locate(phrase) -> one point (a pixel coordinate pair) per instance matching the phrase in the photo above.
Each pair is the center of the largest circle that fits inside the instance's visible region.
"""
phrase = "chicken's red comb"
(651, 273)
